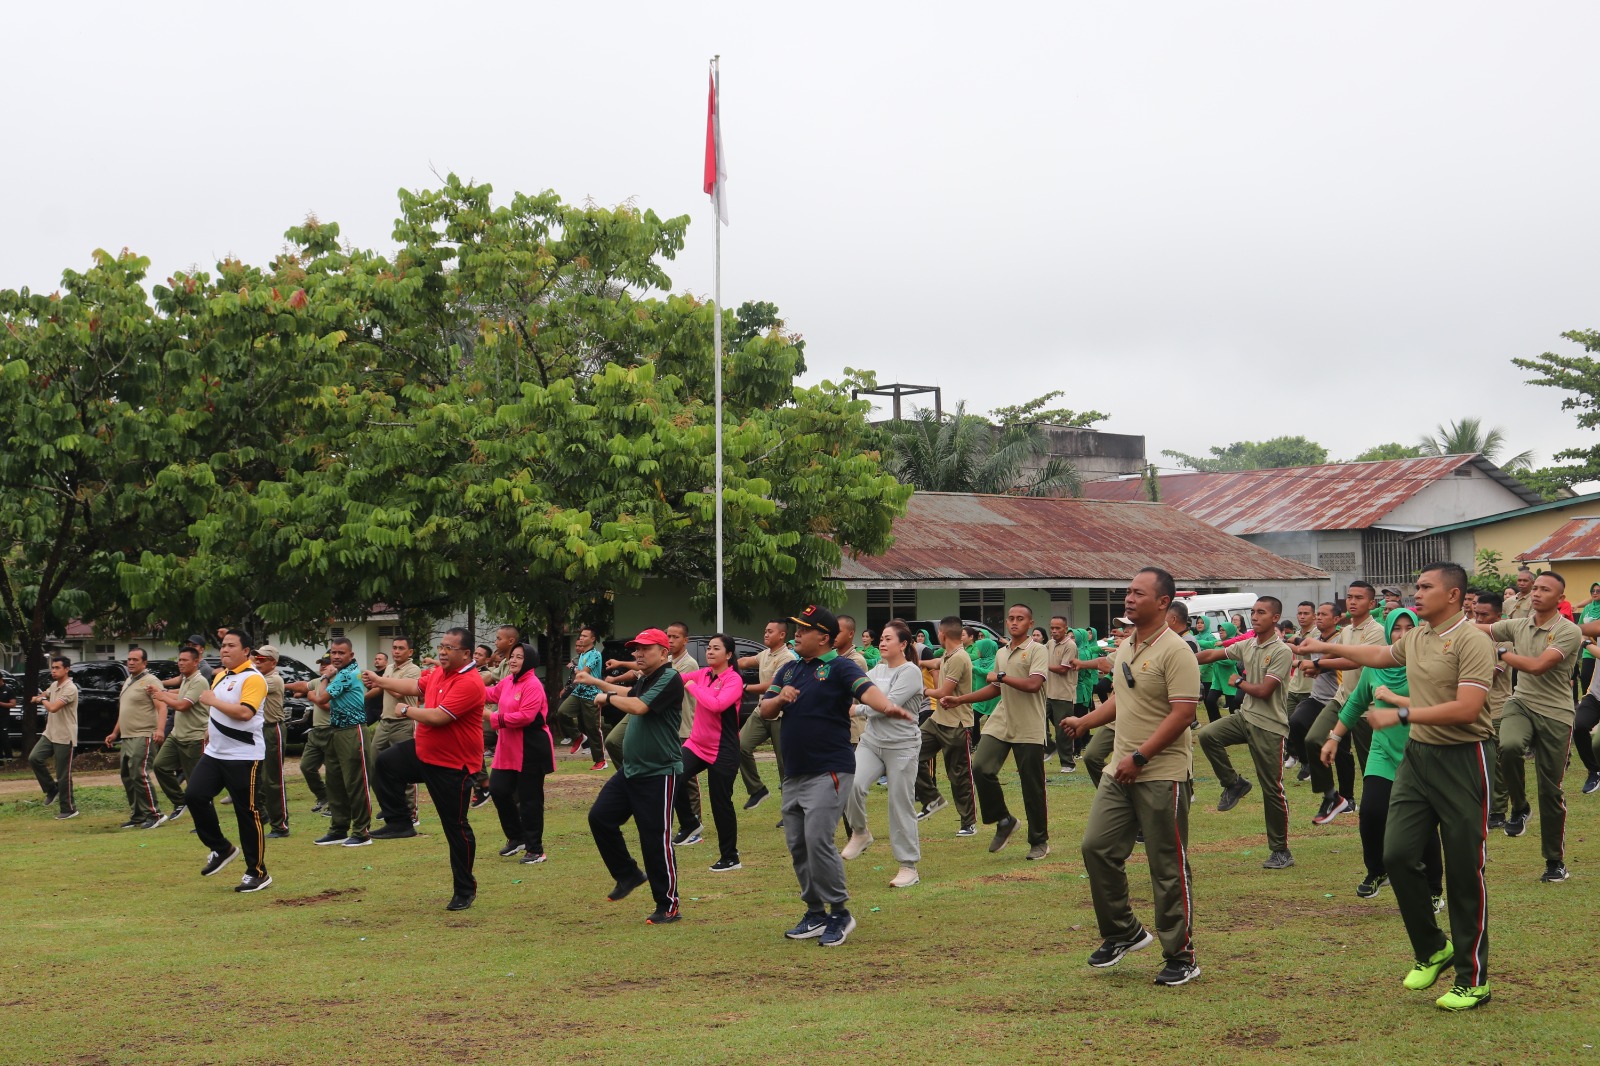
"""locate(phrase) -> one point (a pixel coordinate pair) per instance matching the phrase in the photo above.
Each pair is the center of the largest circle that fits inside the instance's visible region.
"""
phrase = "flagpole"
(716, 331)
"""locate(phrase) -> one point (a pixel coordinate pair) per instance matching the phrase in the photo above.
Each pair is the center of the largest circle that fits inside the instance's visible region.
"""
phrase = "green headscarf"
(1393, 676)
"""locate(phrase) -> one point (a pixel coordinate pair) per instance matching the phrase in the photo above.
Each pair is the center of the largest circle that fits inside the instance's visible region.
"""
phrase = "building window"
(389, 631)
(884, 604)
(1391, 559)
(1337, 562)
(1104, 605)
(336, 632)
(985, 605)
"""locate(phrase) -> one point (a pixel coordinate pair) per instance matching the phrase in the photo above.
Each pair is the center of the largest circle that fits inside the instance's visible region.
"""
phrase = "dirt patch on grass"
(571, 786)
(1252, 1036)
(325, 896)
(1267, 913)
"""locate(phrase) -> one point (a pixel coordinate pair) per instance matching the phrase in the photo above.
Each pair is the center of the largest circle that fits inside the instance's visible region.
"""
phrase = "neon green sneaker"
(1462, 998)
(1424, 974)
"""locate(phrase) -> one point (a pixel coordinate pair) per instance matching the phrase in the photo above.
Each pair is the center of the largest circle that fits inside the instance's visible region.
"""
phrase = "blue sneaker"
(813, 924)
(840, 925)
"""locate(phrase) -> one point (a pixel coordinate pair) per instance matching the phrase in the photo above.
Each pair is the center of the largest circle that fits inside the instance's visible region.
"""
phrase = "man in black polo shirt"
(815, 699)
(643, 786)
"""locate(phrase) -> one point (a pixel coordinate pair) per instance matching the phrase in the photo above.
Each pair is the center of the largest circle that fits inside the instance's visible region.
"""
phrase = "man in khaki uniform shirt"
(948, 730)
(1016, 727)
(59, 703)
(141, 726)
(685, 664)
(1364, 629)
(391, 728)
(1520, 603)
(757, 730)
(1543, 649)
(1262, 723)
(190, 721)
(1486, 612)
(1061, 690)
(1155, 685)
(272, 798)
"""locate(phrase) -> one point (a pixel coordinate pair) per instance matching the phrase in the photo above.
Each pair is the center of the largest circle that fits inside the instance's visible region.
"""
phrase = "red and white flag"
(716, 184)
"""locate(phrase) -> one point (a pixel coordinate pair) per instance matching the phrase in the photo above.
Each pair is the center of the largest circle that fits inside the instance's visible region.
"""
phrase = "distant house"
(1352, 520)
(1574, 551)
(1512, 533)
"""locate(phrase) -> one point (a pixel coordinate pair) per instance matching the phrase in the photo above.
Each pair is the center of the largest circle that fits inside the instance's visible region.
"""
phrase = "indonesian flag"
(716, 162)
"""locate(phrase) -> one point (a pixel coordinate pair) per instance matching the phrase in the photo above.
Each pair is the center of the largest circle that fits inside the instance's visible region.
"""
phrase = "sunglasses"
(1127, 675)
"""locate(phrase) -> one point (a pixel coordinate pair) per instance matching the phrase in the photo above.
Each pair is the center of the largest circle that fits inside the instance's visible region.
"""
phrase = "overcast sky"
(1213, 221)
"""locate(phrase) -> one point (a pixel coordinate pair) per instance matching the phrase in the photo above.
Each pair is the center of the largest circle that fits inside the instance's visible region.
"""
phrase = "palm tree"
(967, 453)
(1468, 437)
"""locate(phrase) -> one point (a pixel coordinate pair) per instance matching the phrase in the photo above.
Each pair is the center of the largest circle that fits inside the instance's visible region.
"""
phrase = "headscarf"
(530, 660)
(1393, 676)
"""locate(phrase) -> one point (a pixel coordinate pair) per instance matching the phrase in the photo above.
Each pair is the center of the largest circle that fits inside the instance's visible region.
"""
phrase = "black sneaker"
(131, 823)
(64, 815)
(625, 886)
(357, 840)
(756, 799)
(1233, 794)
(1497, 821)
(1553, 872)
(253, 884)
(393, 831)
(459, 903)
(277, 833)
(480, 796)
(1592, 783)
(1177, 973)
(1304, 774)
(1517, 824)
(319, 807)
(1278, 860)
(217, 862)
(837, 930)
(812, 924)
(661, 917)
(51, 797)
(694, 834)
(1110, 952)
(330, 837)
(177, 812)
(511, 848)
(531, 857)
(722, 866)
(1371, 886)
(153, 822)
(932, 807)
(1002, 833)
(1333, 805)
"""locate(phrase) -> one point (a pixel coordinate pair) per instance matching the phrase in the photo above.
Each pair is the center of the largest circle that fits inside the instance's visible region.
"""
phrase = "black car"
(618, 649)
(296, 709)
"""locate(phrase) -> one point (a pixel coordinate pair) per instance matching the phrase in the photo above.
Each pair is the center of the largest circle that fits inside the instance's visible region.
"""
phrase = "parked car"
(297, 709)
(930, 626)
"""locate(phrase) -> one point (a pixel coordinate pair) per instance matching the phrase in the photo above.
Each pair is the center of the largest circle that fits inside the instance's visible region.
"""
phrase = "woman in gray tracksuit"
(889, 748)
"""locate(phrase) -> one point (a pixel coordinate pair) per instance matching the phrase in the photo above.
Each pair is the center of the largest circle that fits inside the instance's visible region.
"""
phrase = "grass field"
(117, 951)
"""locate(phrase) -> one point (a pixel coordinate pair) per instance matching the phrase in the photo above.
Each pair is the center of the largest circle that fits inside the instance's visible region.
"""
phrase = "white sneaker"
(905, 878)
(857, 843)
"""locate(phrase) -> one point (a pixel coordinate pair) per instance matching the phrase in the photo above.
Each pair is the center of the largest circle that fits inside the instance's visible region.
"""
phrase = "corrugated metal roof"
(1043, 541)
(1577, 539)
(1303, 498)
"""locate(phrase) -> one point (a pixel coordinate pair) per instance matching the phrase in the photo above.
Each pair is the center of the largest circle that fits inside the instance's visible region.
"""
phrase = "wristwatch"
(999, 677)
(1405, 715)
(1139, 759)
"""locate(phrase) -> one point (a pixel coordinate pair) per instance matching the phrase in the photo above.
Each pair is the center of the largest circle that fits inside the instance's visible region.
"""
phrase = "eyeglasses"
(449, 647)
(1127, 675)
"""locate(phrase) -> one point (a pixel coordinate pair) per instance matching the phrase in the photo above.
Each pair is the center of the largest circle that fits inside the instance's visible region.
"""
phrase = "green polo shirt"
(1548, 694)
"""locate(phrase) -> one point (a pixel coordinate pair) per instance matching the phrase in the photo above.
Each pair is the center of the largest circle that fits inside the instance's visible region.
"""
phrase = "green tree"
(967, 453)
(1468, 437)
(1034, 411)
(1392, 450)
(1579, 377)
(1256, 455)
(524, 420)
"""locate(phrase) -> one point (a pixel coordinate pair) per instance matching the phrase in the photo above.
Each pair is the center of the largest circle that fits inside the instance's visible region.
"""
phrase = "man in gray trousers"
(815, 699)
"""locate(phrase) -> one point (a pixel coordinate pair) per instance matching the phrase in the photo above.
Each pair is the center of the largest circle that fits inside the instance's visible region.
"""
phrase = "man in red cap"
(647, 777)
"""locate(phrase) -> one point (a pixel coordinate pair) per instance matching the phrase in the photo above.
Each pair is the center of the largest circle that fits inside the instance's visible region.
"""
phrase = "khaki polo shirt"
(1163, 669)
(858, 726)
(272, 710)
(1299, 683)
(137, 714)
(1261, 661)
(321, 717)
(767, 663)
(1438, 662)
(408, 672)
(1061, 686)
(954, 666)
(685, 664)
(191, 725)
(1500, 691)
(62, 726)
(1368, 632)
(1548, 694)
(1517, 607)
(1019, 717)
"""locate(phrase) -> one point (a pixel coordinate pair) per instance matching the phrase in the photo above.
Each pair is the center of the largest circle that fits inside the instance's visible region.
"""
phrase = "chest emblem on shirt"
(822, 671)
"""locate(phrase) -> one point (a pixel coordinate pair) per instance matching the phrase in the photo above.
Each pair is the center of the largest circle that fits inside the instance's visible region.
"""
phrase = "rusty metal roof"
(1303, 498)
(1578, 539)
(1037, 542)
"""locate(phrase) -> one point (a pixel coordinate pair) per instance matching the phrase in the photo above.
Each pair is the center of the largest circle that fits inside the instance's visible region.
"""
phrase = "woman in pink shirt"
(713, 745)
(523, 755)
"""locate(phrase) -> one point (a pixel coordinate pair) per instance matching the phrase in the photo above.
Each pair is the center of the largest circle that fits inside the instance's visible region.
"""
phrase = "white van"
(1219, 606)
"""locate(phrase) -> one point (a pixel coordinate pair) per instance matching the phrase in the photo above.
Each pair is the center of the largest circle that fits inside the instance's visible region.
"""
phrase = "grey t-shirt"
(903, 685)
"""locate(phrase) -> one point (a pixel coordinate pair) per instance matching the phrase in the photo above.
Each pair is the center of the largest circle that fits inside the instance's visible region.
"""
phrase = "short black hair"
(462, 636)
(1493, 599)
(1179, 610)
(514, 630)
(1272, 602)
(1024, 606)
(1165, 585)
(591, 630)
(1308, 603)
(1063, 619)
(187, 650)
(1331, 605)
(245, 640)
(342, 642)
(1362, 585)
(1558, 577)
(1454, 575)
(679, 625)
(485, 647)
(62, 659)
(950, 624)
(400, 638)
(844, 620)
(1524, 570)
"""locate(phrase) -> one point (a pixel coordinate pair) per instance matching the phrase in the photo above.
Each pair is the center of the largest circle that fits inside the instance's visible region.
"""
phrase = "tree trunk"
(34, 662)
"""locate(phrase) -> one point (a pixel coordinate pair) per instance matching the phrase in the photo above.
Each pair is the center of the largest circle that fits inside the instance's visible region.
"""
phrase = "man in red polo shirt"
(445, 752)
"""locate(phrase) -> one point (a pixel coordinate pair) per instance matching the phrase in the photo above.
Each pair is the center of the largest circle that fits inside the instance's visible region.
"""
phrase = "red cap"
(649, 636)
